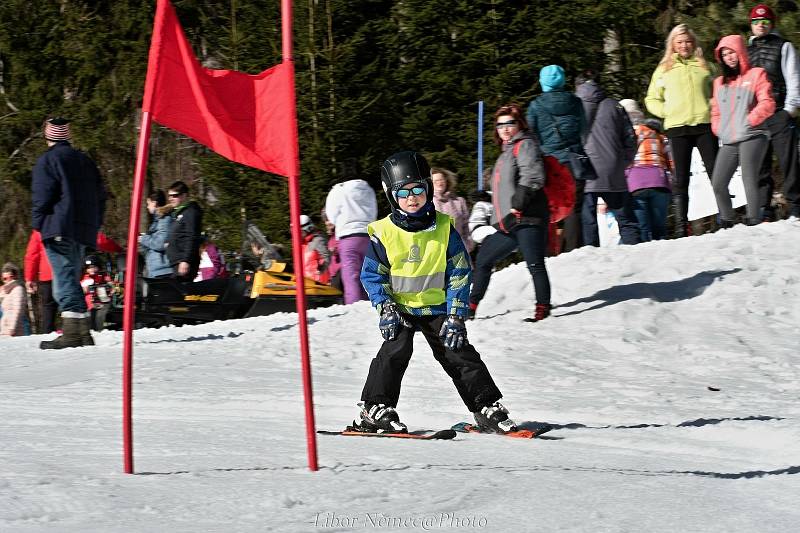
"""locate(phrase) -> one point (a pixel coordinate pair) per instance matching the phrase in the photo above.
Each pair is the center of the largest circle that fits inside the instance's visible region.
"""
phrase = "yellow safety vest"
(417, 260)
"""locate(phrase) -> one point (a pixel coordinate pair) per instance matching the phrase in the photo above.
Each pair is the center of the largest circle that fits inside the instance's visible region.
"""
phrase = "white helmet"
(306, 224)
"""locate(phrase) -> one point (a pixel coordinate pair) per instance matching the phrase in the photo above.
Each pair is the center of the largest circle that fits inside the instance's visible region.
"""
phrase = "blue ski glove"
(391, 321)
(454, 333)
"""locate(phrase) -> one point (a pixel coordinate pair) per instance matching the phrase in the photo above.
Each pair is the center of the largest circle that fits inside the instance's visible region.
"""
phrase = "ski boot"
(494, 418)
(379, 418)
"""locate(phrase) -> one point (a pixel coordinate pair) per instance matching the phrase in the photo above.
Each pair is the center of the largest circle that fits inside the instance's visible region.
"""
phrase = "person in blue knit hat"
(556, 117)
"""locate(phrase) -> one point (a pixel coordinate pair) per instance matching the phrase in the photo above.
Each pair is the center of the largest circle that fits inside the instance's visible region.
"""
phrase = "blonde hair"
(450, 176)
(669, 50)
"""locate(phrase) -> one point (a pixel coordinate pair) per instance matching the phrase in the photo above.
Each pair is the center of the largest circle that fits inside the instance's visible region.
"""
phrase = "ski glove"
(391, 322)
(454, 333)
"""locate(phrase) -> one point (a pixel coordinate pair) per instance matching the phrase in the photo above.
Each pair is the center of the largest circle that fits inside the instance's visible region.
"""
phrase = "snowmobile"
(267, 289)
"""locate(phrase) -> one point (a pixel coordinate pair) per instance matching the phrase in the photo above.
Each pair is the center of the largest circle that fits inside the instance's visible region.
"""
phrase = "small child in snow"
(98, 289)
(417, 274)
(480, 219)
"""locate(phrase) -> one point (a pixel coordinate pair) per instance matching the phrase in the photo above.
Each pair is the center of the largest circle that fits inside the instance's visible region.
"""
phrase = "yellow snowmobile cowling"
(278, 283)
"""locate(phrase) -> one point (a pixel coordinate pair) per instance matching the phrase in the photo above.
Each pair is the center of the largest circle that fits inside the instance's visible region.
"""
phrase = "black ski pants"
(465, 367)
(683, 140)
(783, 142)
(531, 242)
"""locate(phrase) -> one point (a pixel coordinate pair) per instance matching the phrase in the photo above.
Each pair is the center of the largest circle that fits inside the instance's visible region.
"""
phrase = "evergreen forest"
(373, 77)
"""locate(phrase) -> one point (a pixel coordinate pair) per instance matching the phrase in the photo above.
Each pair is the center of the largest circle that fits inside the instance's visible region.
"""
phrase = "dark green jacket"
(556, 118)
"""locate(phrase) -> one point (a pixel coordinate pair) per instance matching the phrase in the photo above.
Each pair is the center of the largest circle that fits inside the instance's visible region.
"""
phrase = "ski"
(466, 427)
(425, 434)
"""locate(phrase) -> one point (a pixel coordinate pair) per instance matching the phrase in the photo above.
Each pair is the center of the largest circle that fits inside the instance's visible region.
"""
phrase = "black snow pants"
(468, 372)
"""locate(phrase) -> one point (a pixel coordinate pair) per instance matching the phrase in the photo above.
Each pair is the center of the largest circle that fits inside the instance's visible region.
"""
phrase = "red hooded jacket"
(739, 107)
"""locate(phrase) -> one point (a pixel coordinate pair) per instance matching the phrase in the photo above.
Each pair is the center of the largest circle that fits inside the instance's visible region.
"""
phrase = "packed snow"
(670, 372)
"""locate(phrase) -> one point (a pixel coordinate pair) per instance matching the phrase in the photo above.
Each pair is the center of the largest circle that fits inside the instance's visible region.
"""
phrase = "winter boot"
(380, 418)
(541, 312)
(494, 418)
(726, 224)
(85, 330)
(680, 212)
(69, 338)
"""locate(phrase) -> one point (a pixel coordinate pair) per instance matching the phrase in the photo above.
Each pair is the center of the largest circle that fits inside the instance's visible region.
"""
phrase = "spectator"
(448, 202)
(183, 241)
(153, 242)
(520, 210)
(39, 282)
(68, 200)
(316, 256)
(14, 303)
(679, 93)
(611, 146)
(742, 102)
(648, 176)
(480, 219)
(335, 266)
(558, 120)
(211, 264)
(778, 57)
(97, 288)
(350, 206)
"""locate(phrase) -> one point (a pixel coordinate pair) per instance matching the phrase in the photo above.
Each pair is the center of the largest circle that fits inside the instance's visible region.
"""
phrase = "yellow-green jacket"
(681, 95)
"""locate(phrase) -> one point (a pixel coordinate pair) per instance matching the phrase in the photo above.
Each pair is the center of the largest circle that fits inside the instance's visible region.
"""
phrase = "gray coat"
(518, 180)
(611, 143)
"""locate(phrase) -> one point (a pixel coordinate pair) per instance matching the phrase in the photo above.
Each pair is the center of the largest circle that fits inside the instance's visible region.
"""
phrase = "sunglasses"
(509, 124)
(760, 22)
(405, 193)
(174, 195)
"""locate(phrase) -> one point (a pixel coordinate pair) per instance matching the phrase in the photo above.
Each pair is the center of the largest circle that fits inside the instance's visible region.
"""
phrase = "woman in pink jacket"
(14, 302)
(742, 101)
(447, 201)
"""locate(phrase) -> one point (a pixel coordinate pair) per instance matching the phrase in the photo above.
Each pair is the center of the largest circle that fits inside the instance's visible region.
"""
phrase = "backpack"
(559, 186)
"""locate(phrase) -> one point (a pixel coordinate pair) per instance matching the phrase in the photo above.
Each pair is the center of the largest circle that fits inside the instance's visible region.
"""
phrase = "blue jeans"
(66, 259)
(531, 241)
(620, 204)
(650, 207)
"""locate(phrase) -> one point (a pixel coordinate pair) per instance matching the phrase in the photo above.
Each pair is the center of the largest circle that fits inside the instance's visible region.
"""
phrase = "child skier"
(417, 274)
(97, 289)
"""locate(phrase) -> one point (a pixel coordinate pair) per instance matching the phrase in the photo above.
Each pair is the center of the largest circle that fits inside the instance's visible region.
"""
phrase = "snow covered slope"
(670, 369)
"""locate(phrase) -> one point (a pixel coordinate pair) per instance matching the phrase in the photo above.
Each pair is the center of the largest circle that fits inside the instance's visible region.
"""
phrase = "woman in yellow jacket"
(680, 93)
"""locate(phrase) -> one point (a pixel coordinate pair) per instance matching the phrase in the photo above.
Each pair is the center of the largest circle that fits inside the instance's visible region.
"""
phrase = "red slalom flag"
(246, 118)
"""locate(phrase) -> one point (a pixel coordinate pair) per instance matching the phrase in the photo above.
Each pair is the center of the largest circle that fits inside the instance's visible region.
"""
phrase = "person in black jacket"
(611, 145)
(778, 57)
(183, 241)
(68, 202)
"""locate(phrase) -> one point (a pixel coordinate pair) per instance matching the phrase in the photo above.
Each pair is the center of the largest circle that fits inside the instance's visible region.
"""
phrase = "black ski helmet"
(92, 260)
(403, 168)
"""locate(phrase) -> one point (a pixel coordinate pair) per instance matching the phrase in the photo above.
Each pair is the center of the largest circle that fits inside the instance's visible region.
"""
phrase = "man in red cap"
(778, 57)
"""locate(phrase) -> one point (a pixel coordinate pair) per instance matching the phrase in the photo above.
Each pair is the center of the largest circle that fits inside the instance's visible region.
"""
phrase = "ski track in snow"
(669, 370)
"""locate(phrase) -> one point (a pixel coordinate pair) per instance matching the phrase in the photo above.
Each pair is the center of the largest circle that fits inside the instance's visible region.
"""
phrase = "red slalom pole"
(128, 316)
(297, 250)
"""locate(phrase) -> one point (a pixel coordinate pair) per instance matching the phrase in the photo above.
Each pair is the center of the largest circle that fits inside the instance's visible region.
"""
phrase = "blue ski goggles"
(405, 193)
